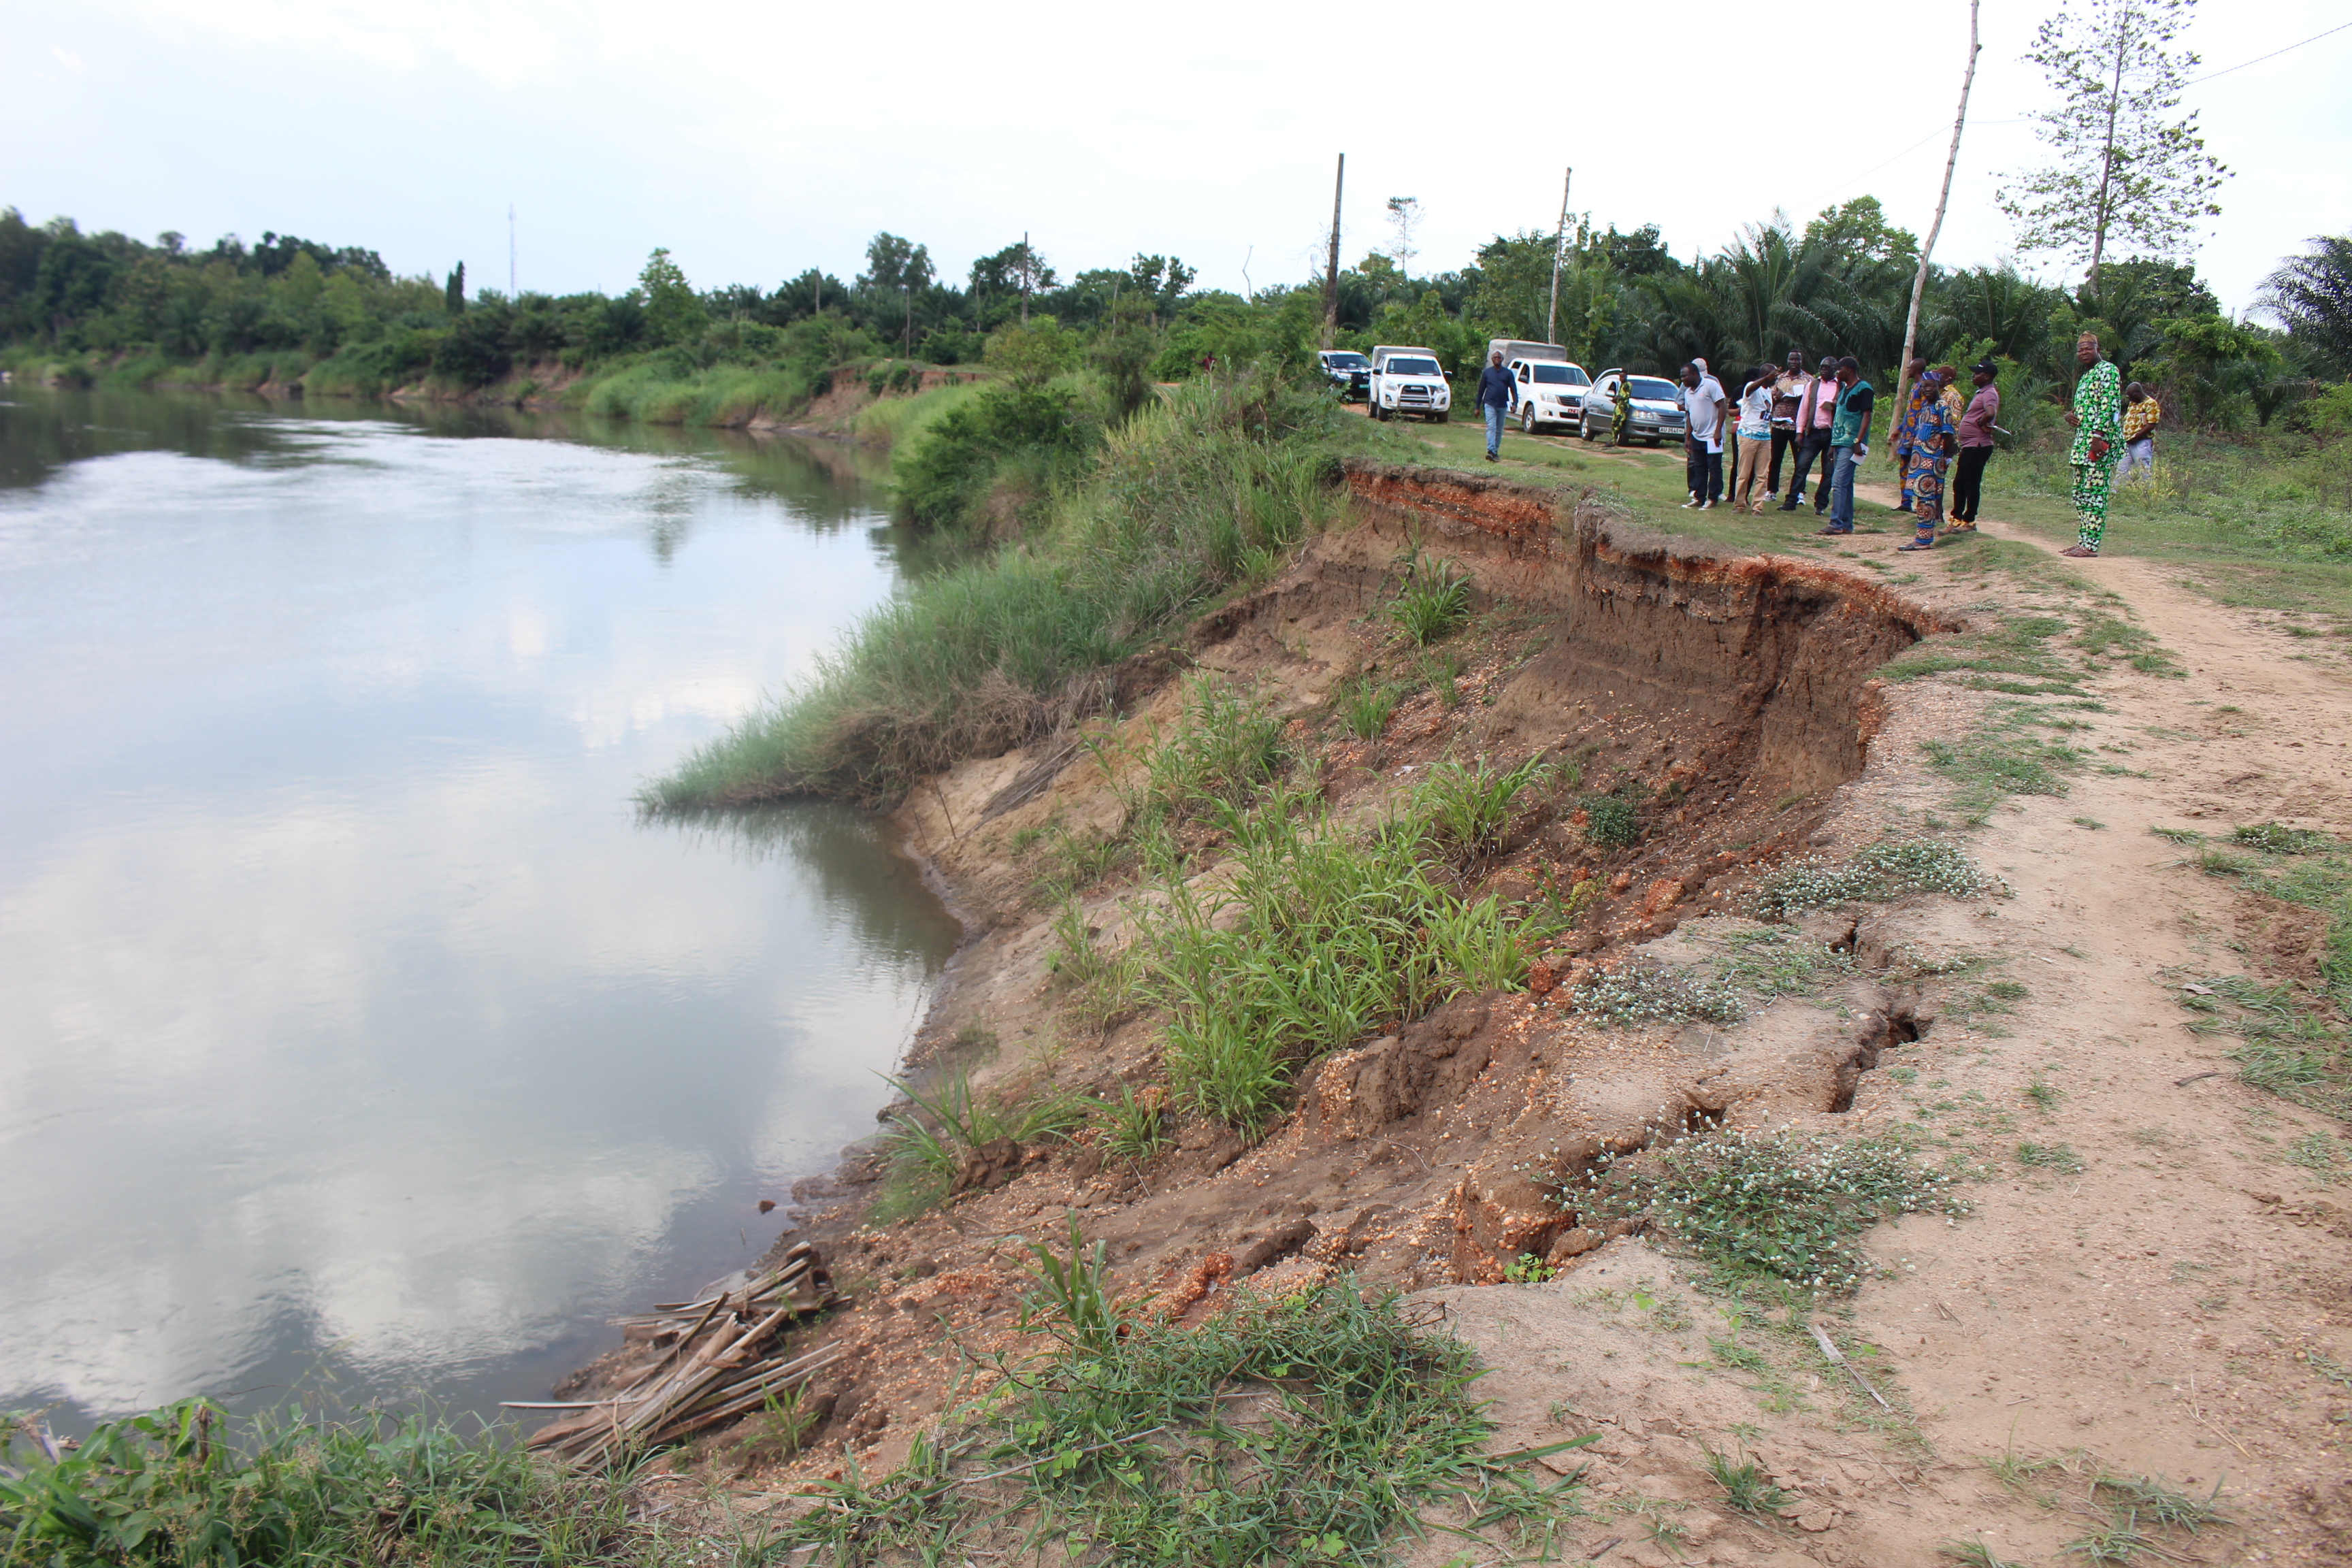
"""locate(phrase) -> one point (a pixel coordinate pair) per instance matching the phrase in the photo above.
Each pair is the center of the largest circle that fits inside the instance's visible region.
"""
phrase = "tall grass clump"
(187, 1486)
(1199, 493)
(1320, 938)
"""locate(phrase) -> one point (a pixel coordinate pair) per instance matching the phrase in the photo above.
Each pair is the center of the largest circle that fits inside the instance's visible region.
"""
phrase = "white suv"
(1408, 380)
(1548, 392)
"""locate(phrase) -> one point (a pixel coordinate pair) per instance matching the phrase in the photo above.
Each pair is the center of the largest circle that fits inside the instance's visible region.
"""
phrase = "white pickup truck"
(1407, 380)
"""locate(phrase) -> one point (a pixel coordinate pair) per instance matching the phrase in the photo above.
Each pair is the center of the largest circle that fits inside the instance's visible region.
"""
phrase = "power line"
(2275, 54)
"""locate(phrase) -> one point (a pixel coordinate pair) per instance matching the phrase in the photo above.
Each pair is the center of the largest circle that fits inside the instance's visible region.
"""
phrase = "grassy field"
(2250, 522)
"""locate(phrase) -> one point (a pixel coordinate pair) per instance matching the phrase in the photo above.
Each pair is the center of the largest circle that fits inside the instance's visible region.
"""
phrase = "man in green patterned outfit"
(1624, 410)
(2098, 420)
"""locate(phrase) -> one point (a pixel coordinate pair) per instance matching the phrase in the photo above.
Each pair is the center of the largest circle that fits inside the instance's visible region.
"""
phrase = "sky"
(755, 140)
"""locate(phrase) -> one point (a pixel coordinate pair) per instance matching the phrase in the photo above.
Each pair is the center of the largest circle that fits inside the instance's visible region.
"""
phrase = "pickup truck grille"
(1412, 395)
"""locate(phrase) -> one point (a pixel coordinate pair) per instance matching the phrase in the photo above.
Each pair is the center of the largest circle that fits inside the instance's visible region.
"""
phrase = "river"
(357, 1037)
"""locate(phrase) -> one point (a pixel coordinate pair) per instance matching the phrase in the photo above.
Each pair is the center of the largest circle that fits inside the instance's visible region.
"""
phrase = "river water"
(356, 1035)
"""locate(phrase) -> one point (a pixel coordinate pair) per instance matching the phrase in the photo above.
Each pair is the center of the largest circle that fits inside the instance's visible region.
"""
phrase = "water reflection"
(351, 1026)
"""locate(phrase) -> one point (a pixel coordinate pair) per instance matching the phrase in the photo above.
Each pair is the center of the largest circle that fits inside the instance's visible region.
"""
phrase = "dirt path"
(2159, 1308)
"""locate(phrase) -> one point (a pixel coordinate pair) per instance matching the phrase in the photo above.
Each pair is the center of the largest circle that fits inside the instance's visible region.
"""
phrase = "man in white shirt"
(1702, 407)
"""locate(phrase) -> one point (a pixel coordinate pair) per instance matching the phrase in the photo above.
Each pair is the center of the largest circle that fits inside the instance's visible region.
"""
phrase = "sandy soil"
(2171, 1296)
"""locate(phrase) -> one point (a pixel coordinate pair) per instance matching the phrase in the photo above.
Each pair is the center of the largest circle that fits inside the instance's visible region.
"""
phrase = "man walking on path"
(1789, 389)
(1934, 434)
(1849, 441)
(2141, 412)
(1703, 404)
(1816, 410)
(2098, 419)
(1496, 394)
(1977, 421)
(1755, 434)
(1918, 371)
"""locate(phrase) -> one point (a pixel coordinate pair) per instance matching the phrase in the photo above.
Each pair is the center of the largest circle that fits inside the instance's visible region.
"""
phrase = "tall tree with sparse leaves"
(2123, 169)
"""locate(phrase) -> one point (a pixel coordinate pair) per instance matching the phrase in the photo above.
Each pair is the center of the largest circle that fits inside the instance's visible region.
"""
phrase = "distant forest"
(339, 319)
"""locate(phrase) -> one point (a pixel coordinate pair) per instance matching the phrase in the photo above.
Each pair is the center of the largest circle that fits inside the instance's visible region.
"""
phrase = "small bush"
(1364, 707)
(1610, 822)
(1888, 870)
(1642, 991)
(1434, 601)
(1779, 1204)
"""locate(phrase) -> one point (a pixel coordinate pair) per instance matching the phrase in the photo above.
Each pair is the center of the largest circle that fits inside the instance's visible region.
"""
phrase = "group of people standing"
(1784, 415)
(1826, 417)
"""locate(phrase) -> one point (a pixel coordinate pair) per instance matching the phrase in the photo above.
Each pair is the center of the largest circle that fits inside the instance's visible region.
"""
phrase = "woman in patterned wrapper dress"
(2098, 420)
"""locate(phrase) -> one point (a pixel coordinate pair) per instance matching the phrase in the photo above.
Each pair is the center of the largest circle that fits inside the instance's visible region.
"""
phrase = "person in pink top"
(1975, 448)
(1814, 412)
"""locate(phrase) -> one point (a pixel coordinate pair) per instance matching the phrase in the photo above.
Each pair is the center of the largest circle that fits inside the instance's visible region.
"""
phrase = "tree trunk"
(2107, 152)
(1919, 281)
(1331, 273)
(1559, 244)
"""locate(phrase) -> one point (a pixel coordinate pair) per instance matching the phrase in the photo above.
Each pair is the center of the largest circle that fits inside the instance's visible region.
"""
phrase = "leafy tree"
(896, 270)
(2312, 294)
(2122, 168)
(1404, 218)
(1032, 353)
(674, 312)
(453, 295)
(1014, 273)
(1123, 353)
(1858, 233)
(2195, 350)
(1639, 254)
(1161, 280)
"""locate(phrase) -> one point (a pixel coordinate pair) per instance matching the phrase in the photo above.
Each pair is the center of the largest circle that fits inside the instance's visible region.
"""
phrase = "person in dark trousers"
(1849, 441)
(1789, 391)
(1815, 411)
(1496, 394)
(1703, 406)
(1975, 448)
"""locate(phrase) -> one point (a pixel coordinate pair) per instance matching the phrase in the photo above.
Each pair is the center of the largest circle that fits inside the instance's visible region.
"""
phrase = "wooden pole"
(1558, 246)
(1331, 272)
(1919, 283)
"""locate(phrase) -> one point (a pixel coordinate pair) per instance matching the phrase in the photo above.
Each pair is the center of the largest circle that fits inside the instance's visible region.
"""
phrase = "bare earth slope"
(2157, 1278)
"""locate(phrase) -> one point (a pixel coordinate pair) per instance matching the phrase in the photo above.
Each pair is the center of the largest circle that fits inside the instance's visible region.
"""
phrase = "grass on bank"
(1301, 1429)
(188, 1486)
(1196, 496)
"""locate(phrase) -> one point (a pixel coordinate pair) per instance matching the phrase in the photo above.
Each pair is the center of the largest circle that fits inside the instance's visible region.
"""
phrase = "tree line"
(1839, 283)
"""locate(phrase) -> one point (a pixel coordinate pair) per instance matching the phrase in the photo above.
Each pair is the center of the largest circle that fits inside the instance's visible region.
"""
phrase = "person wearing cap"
(1934, 436)
(1976, 436)
(1816, 410)
(2097, 418)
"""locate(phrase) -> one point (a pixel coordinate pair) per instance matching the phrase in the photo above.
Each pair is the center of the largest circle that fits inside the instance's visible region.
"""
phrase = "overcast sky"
(757, 140)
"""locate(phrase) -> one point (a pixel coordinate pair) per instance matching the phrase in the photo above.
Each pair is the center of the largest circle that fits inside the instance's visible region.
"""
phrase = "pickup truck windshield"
(1400, 365)
(1651, 387)
(1347, 362)
(1562, 376)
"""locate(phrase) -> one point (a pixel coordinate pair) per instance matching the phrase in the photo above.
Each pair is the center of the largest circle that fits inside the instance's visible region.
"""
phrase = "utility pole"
(1331, 272)
(1919, 283)
(512, 292)
(1559, 248)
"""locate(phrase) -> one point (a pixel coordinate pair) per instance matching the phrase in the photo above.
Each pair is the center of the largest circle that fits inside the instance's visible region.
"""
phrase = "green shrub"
(1435, 600)
(1780, 1203)
(1469, 808)
(1364, 707)
(1197, 494)
(1610, 822)
(188, 1487)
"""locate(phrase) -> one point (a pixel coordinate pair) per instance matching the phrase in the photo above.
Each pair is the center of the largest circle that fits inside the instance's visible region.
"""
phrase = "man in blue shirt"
(1849, 442)
(1496, 394)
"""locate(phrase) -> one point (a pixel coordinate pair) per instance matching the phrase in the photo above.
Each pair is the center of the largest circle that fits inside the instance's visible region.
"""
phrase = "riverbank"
(1742, 707)
(874, 401)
